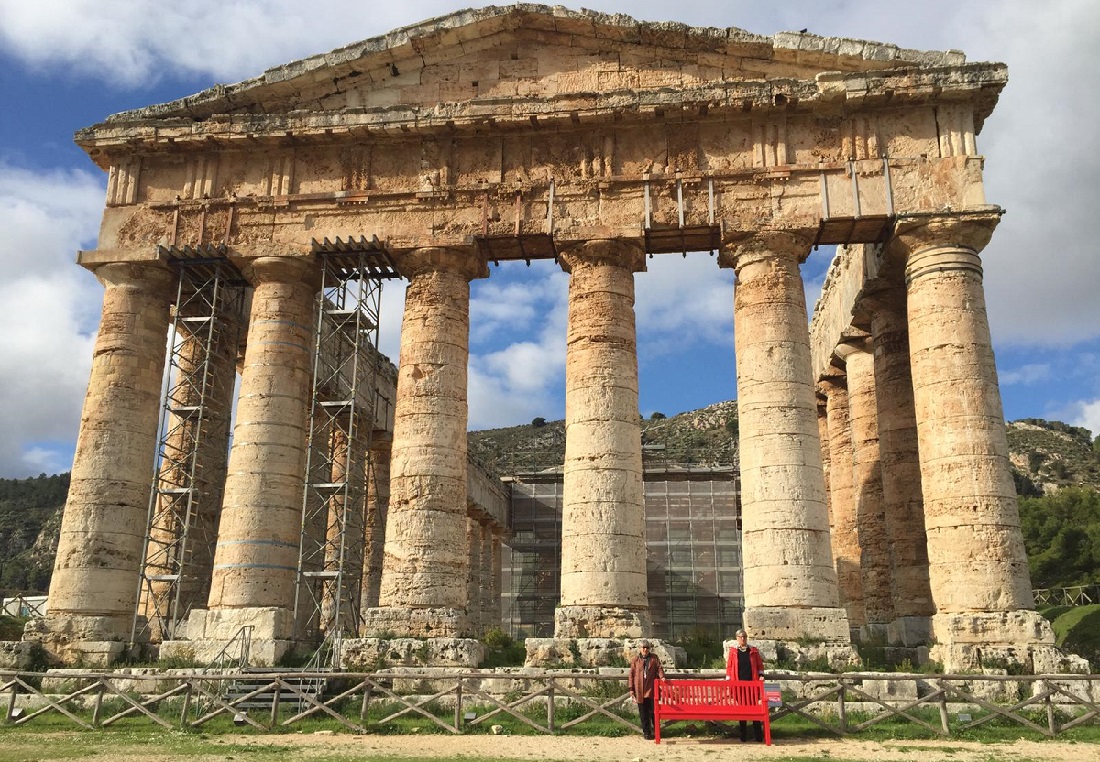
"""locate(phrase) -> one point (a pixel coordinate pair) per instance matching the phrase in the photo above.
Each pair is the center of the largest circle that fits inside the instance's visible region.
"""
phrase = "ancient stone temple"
(516, 133)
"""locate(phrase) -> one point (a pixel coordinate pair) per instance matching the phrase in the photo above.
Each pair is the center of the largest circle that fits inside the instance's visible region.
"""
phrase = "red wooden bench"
(712, 700)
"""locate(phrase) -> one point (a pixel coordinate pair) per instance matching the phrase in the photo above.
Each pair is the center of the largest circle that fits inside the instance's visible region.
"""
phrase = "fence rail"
(842, 704)
(1078, 595)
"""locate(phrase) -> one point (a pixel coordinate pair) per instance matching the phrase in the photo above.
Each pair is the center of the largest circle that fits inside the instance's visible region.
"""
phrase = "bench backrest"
(711, 692)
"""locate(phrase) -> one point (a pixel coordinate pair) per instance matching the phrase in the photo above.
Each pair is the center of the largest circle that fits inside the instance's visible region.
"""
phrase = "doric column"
(823, 435)
(206, 375)
(977, 564)
(496, 577)
(901, 481)
(255, 564)
(377, 499)
(475, 580)
(790, 582)
(488, 593)
(95, 578)
(423, 592)
(345, 531)
(874, 550)
(603, 573)
(843, 518)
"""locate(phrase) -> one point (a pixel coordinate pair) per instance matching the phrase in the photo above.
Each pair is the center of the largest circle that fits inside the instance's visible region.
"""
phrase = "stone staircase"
(310, 682)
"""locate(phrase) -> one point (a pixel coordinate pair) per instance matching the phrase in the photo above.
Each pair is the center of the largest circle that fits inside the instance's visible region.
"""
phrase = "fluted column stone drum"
(377, 504)
(426, 560)
(790, 582)
(93, 591)
(874, 549)
(255, 564)
(976, 559)
(843, 519)
(603, 572)
(901, 480)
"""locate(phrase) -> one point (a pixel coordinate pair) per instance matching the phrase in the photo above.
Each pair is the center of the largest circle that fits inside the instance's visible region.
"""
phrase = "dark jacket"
(643, 676)
(755, 659)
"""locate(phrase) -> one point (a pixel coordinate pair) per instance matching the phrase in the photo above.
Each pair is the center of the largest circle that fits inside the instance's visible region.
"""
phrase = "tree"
(1062, 536)
(538, 423)
(657, 416)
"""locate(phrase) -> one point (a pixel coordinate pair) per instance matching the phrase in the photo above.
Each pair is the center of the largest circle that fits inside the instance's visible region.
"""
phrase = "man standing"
(746, 663)
(645, 668)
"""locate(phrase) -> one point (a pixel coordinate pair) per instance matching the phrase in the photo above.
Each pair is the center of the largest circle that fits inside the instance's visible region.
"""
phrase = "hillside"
(707, 436)
(1052, 455)
(30, 520)
(1046, 455)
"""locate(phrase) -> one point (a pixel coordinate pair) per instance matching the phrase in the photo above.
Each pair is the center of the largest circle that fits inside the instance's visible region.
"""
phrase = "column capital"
(286, 269)
(629, 254)
(465, 261)
(941, 242)
(742, 249)
(831, 384)
(151, 278)
(851, 346)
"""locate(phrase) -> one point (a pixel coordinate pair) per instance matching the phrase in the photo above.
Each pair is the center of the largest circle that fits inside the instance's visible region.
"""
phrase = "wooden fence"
(842, 704)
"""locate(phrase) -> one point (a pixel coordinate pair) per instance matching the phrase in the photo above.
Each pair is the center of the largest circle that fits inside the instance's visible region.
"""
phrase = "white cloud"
(1026, 374)
(133, 42)
(525, 378)
(682, 303)
(49, 307)
(1087, 414)
(511, 306)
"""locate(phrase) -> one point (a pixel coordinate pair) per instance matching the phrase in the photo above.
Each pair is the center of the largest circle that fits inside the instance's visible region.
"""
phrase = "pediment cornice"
(395, 59)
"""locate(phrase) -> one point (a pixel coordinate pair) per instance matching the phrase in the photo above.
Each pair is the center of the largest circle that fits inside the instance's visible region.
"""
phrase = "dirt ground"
(634, 749)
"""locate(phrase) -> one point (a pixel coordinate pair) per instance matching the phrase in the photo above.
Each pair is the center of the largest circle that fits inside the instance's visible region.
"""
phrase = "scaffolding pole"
(196, 402)
(342, 413)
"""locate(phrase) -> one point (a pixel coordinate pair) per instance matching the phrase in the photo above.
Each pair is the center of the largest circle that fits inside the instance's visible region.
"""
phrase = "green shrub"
(1078, 631)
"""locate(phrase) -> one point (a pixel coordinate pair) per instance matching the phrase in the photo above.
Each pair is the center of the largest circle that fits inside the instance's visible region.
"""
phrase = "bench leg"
(656, 730)
(767, 730)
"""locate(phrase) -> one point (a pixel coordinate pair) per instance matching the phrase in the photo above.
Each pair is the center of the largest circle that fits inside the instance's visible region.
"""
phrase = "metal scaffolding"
(185, 498)
(342, 421)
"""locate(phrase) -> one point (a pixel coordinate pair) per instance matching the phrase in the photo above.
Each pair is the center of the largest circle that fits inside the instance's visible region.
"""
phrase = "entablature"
(833, 94)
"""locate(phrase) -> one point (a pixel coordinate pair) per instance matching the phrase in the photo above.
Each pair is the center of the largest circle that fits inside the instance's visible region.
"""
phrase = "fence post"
(550, 706)
(276, 699)
(1050, 713)
(11, 702)
(186, 703)
(943, 709)
(842, 708)
(98, 703)
(458, 704)
(363, 706)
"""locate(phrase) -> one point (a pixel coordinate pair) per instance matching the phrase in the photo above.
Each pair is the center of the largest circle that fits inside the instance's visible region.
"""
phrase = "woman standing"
(745, 663)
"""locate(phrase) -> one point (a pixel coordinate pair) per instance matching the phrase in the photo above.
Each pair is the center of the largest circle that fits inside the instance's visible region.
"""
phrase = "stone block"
(828, 625)
(369, 654)
(597, 652)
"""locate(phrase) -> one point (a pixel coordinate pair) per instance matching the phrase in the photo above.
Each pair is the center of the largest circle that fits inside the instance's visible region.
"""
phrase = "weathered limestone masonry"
(518, 133)
(424, 573)
(981, 612)
(790, 581)
(843, 520)
(901, 481)
(603, 579)
(93, 593)
(255, 562)
(378, 499)
(874, 561)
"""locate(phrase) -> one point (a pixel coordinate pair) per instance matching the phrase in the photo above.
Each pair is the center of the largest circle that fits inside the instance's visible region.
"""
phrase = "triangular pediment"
(497, 54)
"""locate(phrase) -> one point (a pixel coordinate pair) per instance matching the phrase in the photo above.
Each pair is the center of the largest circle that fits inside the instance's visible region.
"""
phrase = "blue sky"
(66, 64)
